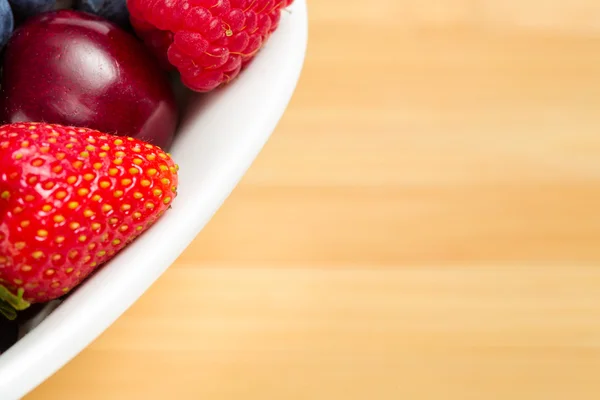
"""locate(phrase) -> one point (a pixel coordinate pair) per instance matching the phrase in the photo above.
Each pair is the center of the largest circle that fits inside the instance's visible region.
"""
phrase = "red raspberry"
(208, 41)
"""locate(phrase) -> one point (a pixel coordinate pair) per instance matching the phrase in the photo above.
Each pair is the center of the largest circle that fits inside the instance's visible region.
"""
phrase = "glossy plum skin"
(74, 68)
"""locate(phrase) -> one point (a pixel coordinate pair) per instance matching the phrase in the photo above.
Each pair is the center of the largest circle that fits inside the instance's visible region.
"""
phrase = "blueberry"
(7, 22)
(113, 10)
(27, 8)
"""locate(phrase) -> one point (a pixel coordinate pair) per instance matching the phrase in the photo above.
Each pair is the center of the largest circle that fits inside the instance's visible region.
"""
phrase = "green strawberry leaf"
(17, 302)
(8, 311)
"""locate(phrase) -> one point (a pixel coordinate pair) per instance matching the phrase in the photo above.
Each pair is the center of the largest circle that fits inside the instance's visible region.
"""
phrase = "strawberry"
(70, 199)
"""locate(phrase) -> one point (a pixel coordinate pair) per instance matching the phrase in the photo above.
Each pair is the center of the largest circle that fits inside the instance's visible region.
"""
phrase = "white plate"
(220, 136)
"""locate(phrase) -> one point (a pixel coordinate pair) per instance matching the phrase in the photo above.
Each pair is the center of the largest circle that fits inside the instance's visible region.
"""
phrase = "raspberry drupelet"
(208, 41)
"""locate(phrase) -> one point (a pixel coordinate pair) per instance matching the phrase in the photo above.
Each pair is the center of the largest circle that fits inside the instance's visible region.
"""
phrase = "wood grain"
(423, 224)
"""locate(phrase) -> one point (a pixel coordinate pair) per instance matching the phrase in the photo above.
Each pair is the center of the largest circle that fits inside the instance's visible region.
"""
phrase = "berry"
(27, 8)
(7, 22)
(112, 10)
(70, 199)
(208, 41)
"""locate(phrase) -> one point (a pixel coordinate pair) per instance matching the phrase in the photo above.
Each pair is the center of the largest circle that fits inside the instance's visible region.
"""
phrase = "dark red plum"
(74, 68)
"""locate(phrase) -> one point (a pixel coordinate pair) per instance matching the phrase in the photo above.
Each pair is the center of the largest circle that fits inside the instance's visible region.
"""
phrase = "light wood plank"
(412, 332)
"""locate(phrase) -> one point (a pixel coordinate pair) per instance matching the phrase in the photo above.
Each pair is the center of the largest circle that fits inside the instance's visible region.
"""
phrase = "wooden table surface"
(423, 224)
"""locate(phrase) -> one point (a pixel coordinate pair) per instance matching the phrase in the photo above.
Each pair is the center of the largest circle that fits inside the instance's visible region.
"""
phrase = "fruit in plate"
(6, 22)
(112, 10)
(70, 199)
(27, 8)
(74, 68)
(208, 41)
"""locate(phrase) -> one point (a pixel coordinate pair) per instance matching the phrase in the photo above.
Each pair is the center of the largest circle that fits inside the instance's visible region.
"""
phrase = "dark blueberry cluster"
(13, 12)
